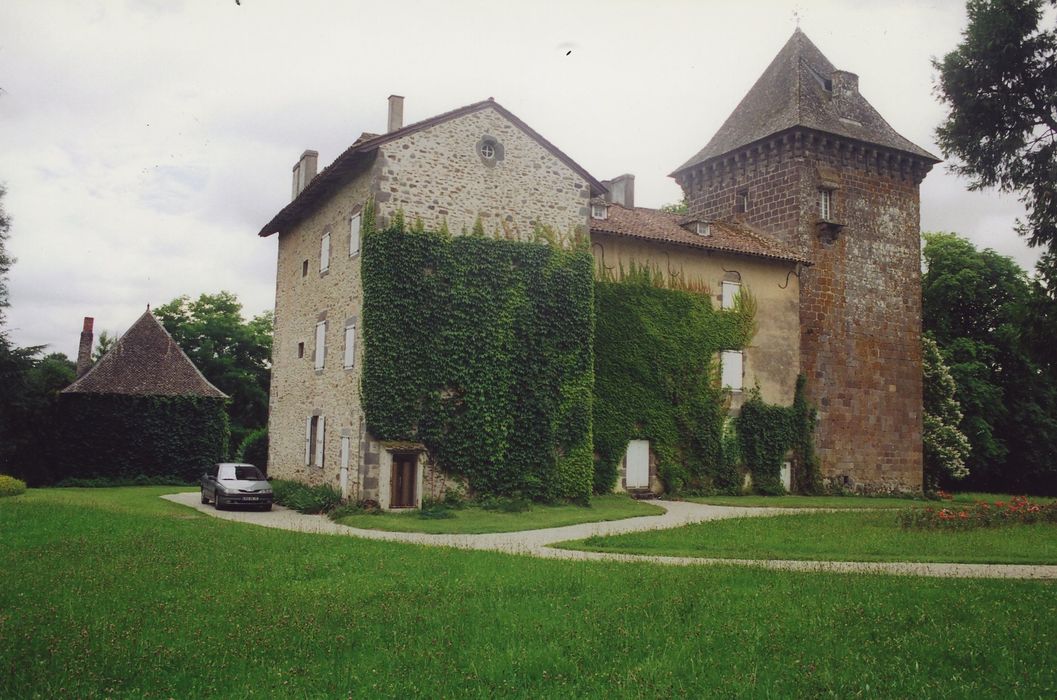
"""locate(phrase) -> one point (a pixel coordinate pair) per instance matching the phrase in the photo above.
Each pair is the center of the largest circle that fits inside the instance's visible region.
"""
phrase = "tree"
(5, 260)
(680, 207)
(1000, 87)
(103, 343)
(945, 446)
(232, 353)
(975, 304)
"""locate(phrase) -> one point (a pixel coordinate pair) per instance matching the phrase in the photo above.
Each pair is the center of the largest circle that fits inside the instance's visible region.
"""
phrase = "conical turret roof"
(145, 361)
(802, 88)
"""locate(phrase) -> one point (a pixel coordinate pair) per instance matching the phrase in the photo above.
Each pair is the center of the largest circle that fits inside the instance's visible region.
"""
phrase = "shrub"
(1017, 511)
(106, 482)
(365, 507)
(304, 498)
(10, 486)
(254, 449)
(435, 510)
(516, 504)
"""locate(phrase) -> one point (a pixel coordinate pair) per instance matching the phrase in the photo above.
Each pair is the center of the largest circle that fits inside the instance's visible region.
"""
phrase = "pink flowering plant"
(1016, 511)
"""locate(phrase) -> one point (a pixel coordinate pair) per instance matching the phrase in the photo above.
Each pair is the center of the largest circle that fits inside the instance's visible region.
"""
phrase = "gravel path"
(536, 542)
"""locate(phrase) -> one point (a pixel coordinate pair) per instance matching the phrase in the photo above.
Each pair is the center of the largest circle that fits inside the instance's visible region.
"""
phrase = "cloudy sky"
(144, 143)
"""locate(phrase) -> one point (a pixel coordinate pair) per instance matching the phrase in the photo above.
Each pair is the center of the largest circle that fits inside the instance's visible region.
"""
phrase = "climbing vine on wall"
(481, 350)
(655, 376)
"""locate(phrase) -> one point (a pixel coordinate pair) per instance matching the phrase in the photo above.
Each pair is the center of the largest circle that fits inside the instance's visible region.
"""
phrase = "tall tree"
(1000, 87)
(974, 305)
(232, 353)
(945, 445)
(5, 260)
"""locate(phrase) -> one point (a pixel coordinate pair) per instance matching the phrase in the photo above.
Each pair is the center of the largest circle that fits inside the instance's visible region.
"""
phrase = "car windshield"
(247, 473)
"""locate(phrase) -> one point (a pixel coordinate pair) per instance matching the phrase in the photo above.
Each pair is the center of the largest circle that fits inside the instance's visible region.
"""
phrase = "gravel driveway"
(536, 542)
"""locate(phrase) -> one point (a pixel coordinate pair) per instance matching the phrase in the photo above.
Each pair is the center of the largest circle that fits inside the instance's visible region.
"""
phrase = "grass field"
(844, 501)
(117, 593)
(472, 520)
(861, 535)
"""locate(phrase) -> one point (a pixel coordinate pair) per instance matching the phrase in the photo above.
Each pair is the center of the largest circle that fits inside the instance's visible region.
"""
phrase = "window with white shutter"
(731, 369)
(321, 344)
(324, 253)
(310, 438)
(321, 433)
(354, 235)
(730, 290)
(350, 345)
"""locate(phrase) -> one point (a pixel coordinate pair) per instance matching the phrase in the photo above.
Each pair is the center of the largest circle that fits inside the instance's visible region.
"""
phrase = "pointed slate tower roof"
(802, 88)
(145, 361)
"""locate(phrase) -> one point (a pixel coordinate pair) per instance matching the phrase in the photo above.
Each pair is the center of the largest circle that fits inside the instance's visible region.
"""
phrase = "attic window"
(702, 228)
(598, 211)
(489, 150)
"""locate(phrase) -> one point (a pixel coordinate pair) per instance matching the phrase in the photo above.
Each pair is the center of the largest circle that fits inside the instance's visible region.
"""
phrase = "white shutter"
(321, 343)
(730, 290)
(344, 473)
(731, 366)
(350, 346)
(308, 441)
(320, 431)
(324, 253)
(354, 235)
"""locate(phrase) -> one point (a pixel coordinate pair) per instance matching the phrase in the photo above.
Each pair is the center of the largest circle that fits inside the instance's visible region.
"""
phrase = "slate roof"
(792, 92)
(725, 236)
(145, 361)
(364, 149)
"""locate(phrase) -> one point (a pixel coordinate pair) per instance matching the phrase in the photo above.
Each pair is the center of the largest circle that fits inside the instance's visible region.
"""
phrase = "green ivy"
(655, 377)
(481, 350)
(123, 437)
(767, 433)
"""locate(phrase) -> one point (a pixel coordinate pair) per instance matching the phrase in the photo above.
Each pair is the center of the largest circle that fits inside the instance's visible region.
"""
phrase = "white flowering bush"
(945, 446)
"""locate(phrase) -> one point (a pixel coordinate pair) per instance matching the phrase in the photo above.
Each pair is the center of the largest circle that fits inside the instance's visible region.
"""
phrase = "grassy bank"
(845, 536)
(114, 592)
(844, 501)
(473, 520)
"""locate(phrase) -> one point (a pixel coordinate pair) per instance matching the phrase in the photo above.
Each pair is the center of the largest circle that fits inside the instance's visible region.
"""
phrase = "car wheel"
(216, 502)
(204, 499)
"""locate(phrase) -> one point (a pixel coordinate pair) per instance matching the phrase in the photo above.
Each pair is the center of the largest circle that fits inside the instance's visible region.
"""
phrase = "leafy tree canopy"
(1000, 87)
(232, 353)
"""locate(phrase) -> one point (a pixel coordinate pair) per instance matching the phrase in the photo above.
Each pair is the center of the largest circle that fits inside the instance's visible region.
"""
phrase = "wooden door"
(403, 482)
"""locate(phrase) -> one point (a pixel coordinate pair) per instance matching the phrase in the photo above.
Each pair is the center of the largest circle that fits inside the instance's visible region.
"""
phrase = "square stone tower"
(805, 157)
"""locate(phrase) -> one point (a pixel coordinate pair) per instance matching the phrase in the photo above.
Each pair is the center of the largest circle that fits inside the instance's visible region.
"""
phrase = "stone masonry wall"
(438, 174)
(860, 302)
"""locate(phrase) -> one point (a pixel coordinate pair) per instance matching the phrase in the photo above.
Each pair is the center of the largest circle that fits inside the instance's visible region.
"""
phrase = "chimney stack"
(84, 351)
(396, 113)
(304, 171)
(621, 190)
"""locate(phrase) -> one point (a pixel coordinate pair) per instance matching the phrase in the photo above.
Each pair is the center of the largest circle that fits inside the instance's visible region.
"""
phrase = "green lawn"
(472, 520)
(117, 593)
(844, 501)
(862, 535)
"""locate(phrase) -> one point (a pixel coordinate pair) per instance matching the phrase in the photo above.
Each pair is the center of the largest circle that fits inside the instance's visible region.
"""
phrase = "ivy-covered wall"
(117, 436)
(767, 433)
(481, 350)
(655, 378)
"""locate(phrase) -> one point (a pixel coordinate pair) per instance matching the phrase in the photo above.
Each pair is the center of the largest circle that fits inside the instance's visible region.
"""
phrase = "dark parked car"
(231, 484)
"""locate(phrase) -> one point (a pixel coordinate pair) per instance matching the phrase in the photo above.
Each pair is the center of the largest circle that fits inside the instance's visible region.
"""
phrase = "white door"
(345, 467)
(638, 465)
(787, 476)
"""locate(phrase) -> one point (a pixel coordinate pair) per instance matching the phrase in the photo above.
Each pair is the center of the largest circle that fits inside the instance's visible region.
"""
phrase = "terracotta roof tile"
(145, 361)
(726, 236)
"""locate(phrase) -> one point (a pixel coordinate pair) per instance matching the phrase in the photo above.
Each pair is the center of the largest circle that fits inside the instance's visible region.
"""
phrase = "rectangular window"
(315, 431)
(731, 369)
(300, 350)
(350, 345)
(825, 204)
(354, 235)
(598, 211)
(741, 201)
(324, 253)
(730, 290)
(321, 343)
(304, 269)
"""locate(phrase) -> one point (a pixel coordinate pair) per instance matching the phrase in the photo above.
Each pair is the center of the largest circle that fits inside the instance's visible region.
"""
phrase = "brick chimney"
(621, 190)
(304, 171)
(84, 350)
(396, 113)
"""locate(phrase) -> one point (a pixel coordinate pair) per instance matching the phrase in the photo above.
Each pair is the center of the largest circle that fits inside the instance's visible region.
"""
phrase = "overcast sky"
(144, 143)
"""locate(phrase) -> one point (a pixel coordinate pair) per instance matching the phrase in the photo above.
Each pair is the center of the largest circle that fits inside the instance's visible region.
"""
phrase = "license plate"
(250, 498)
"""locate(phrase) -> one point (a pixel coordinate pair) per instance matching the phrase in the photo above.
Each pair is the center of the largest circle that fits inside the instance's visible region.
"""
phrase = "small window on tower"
(825, 205)
(741, 201)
